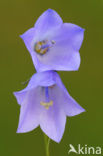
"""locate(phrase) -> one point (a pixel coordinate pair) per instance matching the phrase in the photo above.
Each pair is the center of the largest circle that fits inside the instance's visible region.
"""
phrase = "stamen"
(46, 104)
(42, 47)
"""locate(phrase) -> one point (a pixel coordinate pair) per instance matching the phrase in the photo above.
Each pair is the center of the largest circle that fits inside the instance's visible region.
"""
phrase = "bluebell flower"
(45, 102)
(52, 44)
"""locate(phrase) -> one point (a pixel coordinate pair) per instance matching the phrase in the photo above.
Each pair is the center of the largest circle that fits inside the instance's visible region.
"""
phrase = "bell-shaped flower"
(45, 102)
(54, 45)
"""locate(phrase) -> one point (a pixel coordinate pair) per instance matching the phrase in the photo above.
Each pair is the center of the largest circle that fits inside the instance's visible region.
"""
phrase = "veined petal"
(53, 120)
(45, 25)
(19, 96)
(69, 35)
(48, 21)
(30, 111)
(65, 39)
(28, 37)
(70, 106)
(46, 78)
(59, 61)
(64, 54)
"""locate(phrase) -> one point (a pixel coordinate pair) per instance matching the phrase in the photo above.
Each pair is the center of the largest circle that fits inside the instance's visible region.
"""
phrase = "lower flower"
(46, 102)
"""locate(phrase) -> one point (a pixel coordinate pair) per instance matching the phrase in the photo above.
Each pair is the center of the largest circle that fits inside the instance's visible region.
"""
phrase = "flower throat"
(47, 102)
(42, 47)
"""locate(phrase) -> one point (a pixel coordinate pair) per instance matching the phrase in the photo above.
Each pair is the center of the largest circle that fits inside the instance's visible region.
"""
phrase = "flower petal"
(36, 111)
(64, 54)
(19, 96)
(70, 106)
(29, 36)
(30, 112)
(59, 61)
(68, 39)
(53, 120)
(46, 78)
(69, 35)
(48, 21)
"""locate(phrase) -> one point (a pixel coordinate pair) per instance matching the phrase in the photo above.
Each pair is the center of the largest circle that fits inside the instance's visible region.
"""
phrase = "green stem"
(47, 143)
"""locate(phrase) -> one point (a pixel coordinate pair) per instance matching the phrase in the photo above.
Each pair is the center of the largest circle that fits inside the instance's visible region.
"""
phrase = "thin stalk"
(47, 143)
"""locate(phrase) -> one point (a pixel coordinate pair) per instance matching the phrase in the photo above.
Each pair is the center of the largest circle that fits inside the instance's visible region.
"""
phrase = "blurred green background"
(85, 85)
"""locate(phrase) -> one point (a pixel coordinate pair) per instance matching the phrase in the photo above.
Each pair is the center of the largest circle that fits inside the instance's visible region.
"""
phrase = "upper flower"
(54, 45)
(46, 102)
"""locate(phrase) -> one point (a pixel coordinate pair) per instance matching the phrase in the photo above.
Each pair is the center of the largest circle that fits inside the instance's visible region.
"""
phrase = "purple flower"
(54, 45)
(46, 102)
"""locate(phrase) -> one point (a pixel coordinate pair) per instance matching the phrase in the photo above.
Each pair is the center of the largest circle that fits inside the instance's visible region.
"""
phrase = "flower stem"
(47, 143)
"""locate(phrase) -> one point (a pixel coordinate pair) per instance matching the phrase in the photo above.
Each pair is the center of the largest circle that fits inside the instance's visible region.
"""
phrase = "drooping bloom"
(45, 102)
(54, 45)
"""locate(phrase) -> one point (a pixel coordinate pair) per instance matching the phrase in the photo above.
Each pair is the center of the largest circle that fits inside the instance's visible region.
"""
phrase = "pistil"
(47, 102)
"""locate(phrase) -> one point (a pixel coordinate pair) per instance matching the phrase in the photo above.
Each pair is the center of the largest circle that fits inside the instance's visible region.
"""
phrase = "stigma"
(42, 47)
(47, 104)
